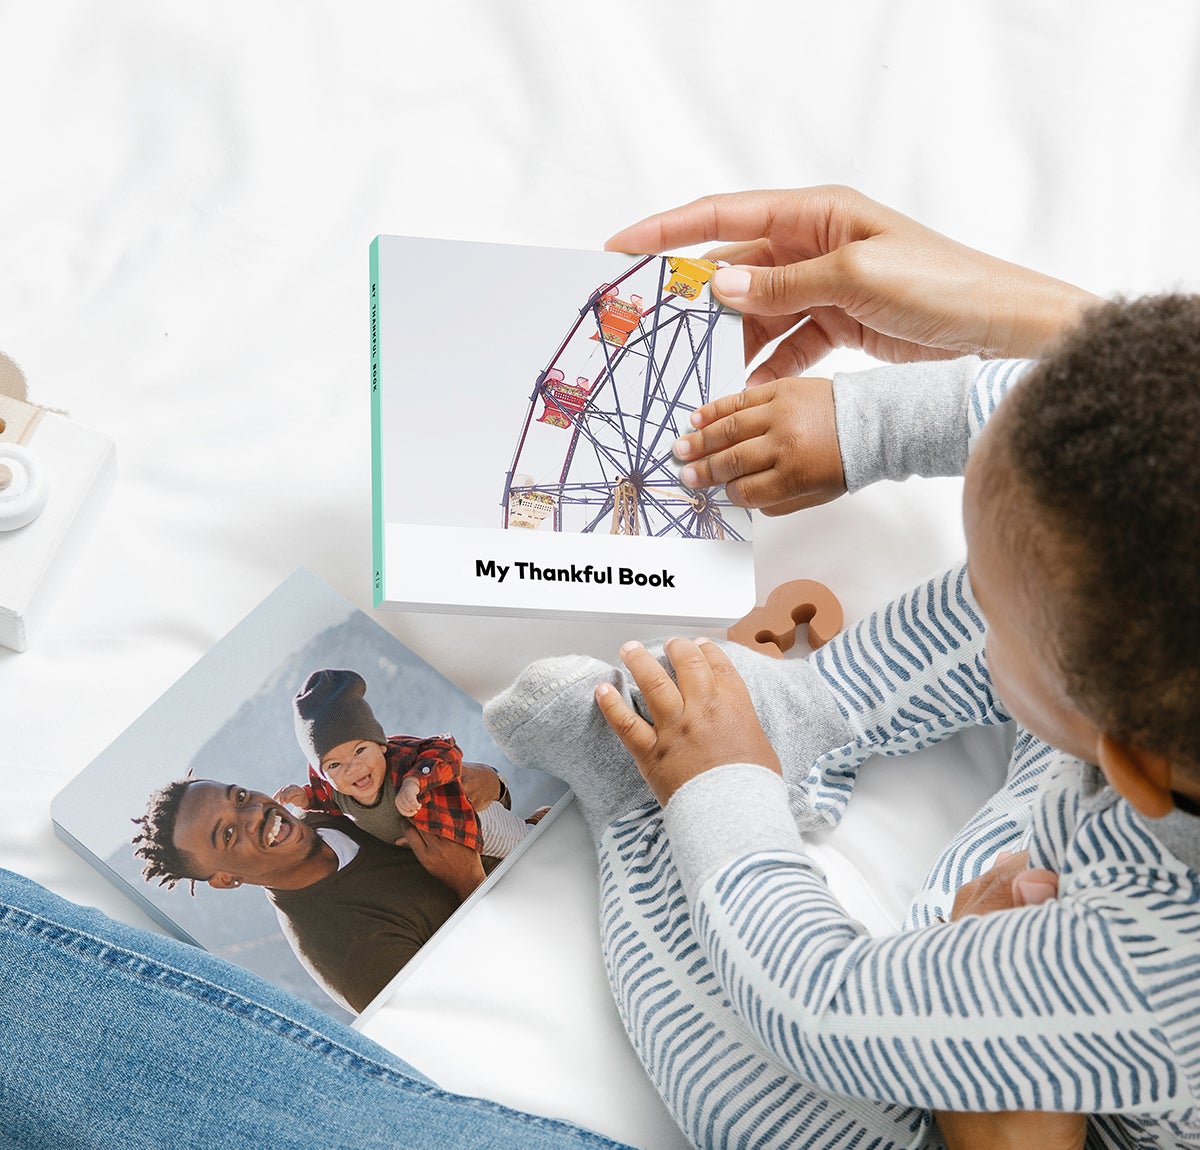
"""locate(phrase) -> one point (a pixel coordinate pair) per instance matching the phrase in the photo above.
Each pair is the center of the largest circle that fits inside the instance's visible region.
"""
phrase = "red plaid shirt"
(436, 763)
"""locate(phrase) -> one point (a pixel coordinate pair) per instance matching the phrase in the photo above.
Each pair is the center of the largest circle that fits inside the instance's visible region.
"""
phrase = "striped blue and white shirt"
(1090, 1002)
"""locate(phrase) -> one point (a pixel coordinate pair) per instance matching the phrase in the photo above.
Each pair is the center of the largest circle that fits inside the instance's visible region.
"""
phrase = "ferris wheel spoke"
(692, 367)
(614, 465)
(613, 358)
(673, 517)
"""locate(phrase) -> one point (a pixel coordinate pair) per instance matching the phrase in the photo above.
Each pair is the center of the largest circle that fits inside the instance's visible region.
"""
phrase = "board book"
(525, 404)
(230, 719)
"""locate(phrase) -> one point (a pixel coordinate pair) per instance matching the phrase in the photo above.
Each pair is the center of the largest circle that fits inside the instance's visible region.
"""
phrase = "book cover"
(525, 403)
(183, 813)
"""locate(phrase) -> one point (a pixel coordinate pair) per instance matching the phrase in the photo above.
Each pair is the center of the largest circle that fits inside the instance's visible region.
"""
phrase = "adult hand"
(702, 719)
(1009, 883)
(861, 275)
(481, 784)
(775, 447)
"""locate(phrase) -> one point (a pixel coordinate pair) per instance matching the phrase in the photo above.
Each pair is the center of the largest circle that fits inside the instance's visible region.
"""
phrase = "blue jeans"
(115, 1037)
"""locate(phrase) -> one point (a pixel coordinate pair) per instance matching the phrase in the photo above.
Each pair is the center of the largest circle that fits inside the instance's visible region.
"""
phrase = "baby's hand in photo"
(704, 721)
(774, 446)
(292, 796)
(408, 798)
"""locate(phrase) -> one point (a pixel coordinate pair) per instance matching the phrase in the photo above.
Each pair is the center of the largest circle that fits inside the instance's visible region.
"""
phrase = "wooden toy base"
(771, 628)
(80, 465)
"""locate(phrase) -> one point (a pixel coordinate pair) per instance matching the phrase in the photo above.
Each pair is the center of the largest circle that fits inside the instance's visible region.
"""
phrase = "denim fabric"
(114, 1037)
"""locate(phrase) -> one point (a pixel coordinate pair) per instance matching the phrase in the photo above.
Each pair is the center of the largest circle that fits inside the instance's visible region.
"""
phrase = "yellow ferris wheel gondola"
(688, 276)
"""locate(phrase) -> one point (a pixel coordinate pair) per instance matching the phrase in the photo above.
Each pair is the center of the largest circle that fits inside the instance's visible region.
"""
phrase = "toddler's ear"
(1143, 777)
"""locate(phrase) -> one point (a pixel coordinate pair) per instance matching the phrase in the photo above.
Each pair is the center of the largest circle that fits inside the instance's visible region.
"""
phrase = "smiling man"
(353, 908)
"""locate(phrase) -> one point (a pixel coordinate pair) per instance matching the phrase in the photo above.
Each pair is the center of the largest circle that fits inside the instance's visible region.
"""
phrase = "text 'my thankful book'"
(525, 402)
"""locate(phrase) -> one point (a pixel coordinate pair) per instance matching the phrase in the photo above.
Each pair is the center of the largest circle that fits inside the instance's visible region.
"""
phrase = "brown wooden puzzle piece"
(771, 628)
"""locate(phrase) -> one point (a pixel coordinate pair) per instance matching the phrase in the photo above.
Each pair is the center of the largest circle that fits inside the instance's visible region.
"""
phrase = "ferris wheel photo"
(525, 404)
(593, 451)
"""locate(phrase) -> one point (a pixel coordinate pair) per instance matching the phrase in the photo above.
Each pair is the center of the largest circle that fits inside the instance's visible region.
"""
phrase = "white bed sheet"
(186, 199)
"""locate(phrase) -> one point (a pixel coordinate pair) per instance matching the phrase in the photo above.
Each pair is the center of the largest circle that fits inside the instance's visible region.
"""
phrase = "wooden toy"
(771, 627)
(53, 476)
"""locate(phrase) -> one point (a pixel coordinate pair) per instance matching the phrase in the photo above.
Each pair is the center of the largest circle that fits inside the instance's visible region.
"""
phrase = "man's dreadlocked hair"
(155, 845)
(1105, 435)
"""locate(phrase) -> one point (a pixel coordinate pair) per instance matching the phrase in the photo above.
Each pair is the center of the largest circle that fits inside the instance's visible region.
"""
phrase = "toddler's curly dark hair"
(1104, 434)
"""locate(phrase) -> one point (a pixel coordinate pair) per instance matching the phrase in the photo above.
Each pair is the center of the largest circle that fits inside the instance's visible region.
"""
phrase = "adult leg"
(115, 1038)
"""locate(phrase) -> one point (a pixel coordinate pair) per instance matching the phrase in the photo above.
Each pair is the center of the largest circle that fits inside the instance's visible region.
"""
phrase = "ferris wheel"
(613, 398)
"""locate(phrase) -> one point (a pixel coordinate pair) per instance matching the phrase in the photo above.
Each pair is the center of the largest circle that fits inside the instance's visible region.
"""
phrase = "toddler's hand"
(705, 721)
(408, 798)
(774, 446)
(292, 796)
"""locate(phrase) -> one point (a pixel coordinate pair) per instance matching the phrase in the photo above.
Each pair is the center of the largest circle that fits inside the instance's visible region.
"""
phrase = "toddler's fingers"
(728, 405)
(748, 421)
(692, 669)
(636, 735)
(719, 661)
(741, 460)
(657, 687)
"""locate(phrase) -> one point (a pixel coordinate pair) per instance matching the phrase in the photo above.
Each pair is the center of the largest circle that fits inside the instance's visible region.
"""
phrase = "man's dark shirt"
(354, 929)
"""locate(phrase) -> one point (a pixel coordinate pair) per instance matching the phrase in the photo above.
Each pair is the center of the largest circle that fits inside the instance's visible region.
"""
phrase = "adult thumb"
(781, 290)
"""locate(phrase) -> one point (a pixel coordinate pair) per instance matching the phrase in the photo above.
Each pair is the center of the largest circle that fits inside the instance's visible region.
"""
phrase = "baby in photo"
(403, 789)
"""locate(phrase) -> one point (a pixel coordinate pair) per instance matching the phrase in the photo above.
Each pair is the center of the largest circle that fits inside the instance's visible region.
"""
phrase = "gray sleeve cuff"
(726, 814)
(902, 420)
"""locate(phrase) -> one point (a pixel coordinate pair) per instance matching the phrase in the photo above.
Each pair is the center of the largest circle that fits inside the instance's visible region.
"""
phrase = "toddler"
(764, 1014)
(387, 783)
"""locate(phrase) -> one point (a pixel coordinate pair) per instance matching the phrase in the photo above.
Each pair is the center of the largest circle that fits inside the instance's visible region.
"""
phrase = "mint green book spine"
(376, 436)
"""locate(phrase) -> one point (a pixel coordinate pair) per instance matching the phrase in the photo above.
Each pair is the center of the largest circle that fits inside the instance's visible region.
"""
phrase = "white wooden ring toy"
(23, 486)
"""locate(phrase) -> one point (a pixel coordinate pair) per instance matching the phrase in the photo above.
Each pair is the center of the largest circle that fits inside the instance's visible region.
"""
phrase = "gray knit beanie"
(331, 710)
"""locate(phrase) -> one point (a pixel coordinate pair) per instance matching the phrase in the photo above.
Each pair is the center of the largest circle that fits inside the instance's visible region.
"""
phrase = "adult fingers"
(1034, 887)
(795, 355)
(824, 281)
(730, 216)
(757, 252)
(992, 890)
(812, 220)
(760, 330)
